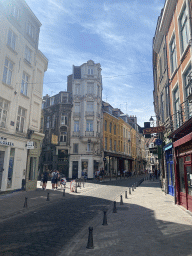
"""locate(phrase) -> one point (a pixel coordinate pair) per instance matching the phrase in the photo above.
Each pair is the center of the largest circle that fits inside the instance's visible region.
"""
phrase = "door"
(170, 175)
(75, 170)
(188, 171)
(2, 154)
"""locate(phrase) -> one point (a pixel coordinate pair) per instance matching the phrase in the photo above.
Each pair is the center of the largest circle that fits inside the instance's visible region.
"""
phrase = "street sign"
(104, 159)
(151, 130)
(158, 142)
(30, 145)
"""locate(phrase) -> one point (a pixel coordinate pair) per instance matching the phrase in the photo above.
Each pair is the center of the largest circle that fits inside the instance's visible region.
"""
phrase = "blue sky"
(115, 33)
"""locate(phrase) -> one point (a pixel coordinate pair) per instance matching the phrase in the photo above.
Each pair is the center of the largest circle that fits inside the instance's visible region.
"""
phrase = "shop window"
(188, 158)
(75, 148)
(181, 175)
(189, 179)
(33, 164)
(10, 169)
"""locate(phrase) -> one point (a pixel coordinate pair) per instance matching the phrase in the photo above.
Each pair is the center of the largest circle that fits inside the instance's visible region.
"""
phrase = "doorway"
(75, 170)
(2, 154)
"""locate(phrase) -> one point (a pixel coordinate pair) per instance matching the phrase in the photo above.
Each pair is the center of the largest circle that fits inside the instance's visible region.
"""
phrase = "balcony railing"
(89, 113)
(76, 114)
(89, 134)
(76, 134)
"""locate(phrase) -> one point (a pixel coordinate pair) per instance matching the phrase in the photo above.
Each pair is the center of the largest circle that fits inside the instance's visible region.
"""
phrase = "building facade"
(22, 68)
(57, 129)
(85, 85)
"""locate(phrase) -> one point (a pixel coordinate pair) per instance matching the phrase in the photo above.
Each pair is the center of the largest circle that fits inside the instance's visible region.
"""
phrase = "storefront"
(169, 167)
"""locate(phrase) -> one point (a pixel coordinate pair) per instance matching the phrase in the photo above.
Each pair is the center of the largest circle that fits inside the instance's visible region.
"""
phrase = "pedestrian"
(45, 179)
(156, 173)
(58, 179)
(53, 179)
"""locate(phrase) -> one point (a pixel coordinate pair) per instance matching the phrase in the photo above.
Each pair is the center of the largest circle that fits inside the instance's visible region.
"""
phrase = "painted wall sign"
(3, 141)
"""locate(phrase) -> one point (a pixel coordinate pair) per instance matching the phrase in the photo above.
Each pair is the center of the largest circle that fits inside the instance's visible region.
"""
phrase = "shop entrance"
(2, 154)
(75, 170)
(170, 182)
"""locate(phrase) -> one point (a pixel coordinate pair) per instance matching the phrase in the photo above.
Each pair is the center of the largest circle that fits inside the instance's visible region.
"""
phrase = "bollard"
(129, 191)
(125, 194)
(114, 207)
(47, 196)
(83, 183)
(63, 192)
(104, 218)
(132, 188)
(90, 239)
(25, 203)
(76, 187)
(121, 200)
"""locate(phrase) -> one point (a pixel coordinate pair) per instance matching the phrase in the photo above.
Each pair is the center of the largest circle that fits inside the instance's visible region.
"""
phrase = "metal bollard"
(129, 191)
(76, 187)
(90, 239)
(132, 188)
(114, 207)
(126, 194)
(104, 218)
(63, 192)
(47, 196)
(25, 203)
(121, 200)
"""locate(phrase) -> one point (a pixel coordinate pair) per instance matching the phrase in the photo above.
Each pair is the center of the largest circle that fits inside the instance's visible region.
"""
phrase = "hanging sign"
(151, 130)
(30, 145)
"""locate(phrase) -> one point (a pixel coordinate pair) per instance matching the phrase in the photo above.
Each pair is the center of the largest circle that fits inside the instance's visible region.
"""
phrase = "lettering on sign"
(151, 130)
(3, 141)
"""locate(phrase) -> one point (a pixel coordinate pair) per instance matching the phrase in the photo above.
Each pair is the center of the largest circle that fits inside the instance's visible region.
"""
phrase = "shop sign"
(30, 145)
(151, 130)
(3, 141)
(54, 139)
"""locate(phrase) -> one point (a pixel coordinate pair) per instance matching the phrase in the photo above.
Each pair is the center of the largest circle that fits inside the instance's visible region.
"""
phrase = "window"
(105, 125)
(16, 12)
(188, 107)
(184, 29)
(4, 105)
(76, 126)
(89, 126)
(10, 168)
(63, 119)
(48, 122)
(77, 89)
(115, 143)
(110, 144)
(52, 101)
(90, 106)
(7, 73)
(105, 143)
(160, 68)
(90, 71)
(114, 129)
(63, 137)
(176, 106)
(90, 88)
(24, 84)
(77, 107)
(77, 73)
(173, 56)
(28, 54)
(30, 30)
(64, 99)
(162, 108)
(98, 90)
(32, 170)
(11, 42)
(88, 146)
(20, 119)
(110, 127)
(167, 101)
(75, 148)
(53, 121)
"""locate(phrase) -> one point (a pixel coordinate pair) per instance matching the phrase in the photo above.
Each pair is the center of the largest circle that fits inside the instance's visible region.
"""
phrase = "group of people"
(99, 174)
(56, 179)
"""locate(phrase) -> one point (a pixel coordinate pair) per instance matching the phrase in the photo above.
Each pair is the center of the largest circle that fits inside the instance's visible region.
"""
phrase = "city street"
(46, 230)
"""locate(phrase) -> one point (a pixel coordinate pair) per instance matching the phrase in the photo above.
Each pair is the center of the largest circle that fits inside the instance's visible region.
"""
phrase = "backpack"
(55, 175)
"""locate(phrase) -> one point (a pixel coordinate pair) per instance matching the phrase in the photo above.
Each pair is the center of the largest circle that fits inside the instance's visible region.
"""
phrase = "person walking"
(45, 179)
(53, 179)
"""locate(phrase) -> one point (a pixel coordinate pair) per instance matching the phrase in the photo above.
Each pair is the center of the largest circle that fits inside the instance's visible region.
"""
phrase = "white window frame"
(24, 84)
(63, 137)
(89, 126)
(90, 70)
(16, 12)
(21, 116)
(184, 29)
(8, 71)
(30, 30)
(63, 119)
(173, 54)
(4, 107)
(11, 40)
(28, 54)
(76, 126)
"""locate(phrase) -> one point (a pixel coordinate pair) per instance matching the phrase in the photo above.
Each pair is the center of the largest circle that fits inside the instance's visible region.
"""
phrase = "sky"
(117, 34)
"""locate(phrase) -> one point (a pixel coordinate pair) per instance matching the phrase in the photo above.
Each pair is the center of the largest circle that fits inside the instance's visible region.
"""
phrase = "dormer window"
(90, 71)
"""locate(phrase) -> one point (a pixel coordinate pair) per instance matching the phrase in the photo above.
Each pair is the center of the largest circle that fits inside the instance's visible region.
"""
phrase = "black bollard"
(25, 203)
(125, 194)
(76, 187)
(90, 239)
(63, 192)
(104, 218)
(132, 188)
(114, 207)
(121, 200)
(47, 196)
(129, 191)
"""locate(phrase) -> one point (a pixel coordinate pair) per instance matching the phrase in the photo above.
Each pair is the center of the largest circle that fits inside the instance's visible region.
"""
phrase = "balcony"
(183, 115)
(98, 115)
(76, 114)
(89, 133)
(89, 113)
(76, 134)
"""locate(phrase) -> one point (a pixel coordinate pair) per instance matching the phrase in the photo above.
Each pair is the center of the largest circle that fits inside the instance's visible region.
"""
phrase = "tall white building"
(85, 84)
(22, 68)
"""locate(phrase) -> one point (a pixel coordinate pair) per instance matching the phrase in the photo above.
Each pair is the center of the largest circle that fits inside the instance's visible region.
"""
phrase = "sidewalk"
(148, 223)
(12, 204)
